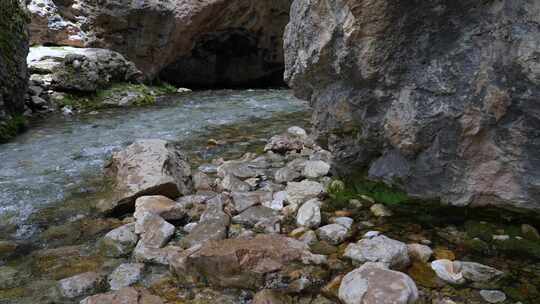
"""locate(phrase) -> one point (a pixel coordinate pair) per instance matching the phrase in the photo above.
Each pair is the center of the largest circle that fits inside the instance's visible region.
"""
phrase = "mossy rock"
(423, 275)
(518, 247)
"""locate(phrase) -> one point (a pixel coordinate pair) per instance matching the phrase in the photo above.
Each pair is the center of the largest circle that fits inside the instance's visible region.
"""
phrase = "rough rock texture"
(188, 42)
(128, 295)
(148, 167)
(13, 72)
(239, 263)
(438, 97)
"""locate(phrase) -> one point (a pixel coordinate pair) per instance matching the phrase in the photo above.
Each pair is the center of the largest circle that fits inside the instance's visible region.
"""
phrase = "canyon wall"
(13, 73)
(203, 43)
(440, 98)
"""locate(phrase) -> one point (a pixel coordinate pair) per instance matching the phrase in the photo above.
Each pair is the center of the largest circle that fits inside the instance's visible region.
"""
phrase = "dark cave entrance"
(228, 59)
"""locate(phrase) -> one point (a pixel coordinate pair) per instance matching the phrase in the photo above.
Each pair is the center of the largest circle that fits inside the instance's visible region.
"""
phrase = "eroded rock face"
(186, 42)
(13, 72)
(401, 88)
(148, 167)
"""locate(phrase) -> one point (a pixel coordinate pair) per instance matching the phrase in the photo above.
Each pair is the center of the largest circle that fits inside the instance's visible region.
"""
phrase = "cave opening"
(228, 59)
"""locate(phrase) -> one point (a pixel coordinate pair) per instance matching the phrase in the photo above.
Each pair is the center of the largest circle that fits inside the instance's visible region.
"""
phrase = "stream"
(49, 172)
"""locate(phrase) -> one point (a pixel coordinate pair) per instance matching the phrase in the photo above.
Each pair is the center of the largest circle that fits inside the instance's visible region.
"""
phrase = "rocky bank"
(436, 97)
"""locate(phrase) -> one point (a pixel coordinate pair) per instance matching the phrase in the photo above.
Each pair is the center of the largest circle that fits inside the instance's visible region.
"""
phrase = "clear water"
(62, 157)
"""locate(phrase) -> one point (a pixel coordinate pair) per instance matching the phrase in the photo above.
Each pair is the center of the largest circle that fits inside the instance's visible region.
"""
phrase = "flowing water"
(58, 162)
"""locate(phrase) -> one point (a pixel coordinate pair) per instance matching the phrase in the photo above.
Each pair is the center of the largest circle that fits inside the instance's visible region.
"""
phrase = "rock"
(232, 183)
(213, 224)
(278, 201)
(372, 283)
(309, 214)
(448, 271)
(125, 275)
(148, 167)
(419, 252)
(382, 249)
(128, 295)
(208, 168)
(309, 238)
(493, 296)
(9, 277)
(159, 205)
(315, 169)
(298, 193)
(267, 296)
(83, 70)
(143, 254)
(245, 200)
(80, 285)
(201, 181)
(239, 263)
(286, 174)
(242, 169)
(479, 273)
(344, 221)
(441, 253)
(404, 94)
(334, 233)
(119, 242)
(284, 143)
(380, 210)
(154, 231)
(255, 215)
(529, 232)
(13, 70)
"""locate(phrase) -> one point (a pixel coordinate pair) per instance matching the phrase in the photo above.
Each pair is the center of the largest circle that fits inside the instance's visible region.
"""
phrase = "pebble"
(493, 296)
(380, 210)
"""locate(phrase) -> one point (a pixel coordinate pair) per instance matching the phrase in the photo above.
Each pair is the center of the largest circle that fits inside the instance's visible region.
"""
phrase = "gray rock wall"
(439, 97)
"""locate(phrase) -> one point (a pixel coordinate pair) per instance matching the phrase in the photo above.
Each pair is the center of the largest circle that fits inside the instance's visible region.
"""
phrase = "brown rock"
(159, 205)
(441, 253)
(128, 295)
(271, 297)
(148, 167)
(238, 263)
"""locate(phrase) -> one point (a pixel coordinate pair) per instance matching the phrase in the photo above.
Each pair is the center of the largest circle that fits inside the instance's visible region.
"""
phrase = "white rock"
(493, 296)
(448, 271)
(125, 275)
(298, 193)
(334, 233)
(80, 285)
(381, 249)
(371, 234)
(309, 214)
(315, 169)
(278, 201)
(143, 254)
(120, 241)
(344, 221)
(189, 227)
(372, 283)
(159, 205)
(419, 252)
(309, 237)
(380, 210)
(297, 132)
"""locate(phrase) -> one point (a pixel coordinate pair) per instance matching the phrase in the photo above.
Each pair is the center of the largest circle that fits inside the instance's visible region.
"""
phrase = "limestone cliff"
(439, 97)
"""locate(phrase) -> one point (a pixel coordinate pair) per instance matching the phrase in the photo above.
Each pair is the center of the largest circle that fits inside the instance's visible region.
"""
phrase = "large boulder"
(400, 88)
(239, 263)
(84, 70)
(147, 167)
(13, 71)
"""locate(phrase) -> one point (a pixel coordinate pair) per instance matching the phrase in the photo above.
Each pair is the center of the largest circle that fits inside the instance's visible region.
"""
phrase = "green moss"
(12, 127)
(145, 96)
(518, 247)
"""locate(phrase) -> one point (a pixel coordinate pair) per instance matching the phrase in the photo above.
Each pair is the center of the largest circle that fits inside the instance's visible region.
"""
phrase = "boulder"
(373, 283)
(381, 249)
(334, 234)
(315, 169)
(128, 295)
(245, 200)
(255, 215)
(286, 174)
(154, 231)
(309, 214)
(80, 285)
(125, 275)
(238, 263)
(232, 183)
(148, 167)
(401, 89)
(298, 193)
(159, 205)
(143, 254)
(119, 242)
(84, 70)
(419, 252)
